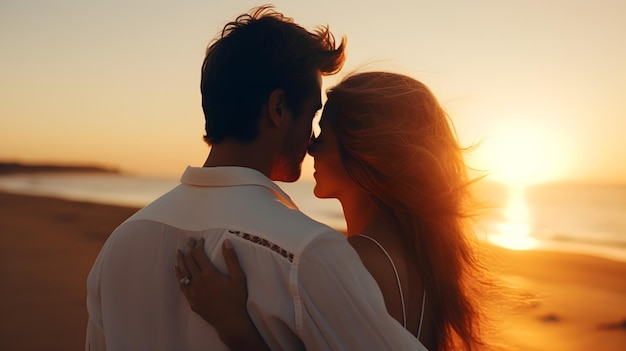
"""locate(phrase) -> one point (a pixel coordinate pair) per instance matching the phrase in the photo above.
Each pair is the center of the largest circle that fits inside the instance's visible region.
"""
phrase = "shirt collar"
(233, 176)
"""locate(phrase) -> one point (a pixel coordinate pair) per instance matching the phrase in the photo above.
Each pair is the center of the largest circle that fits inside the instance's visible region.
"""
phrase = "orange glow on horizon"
(119, 87)
(522, 153)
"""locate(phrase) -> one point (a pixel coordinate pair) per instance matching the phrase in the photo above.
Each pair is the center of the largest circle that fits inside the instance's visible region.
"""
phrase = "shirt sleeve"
(95, 340)
(339, 306)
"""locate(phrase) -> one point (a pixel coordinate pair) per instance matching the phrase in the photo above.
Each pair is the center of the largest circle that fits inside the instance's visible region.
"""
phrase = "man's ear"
(276, 107)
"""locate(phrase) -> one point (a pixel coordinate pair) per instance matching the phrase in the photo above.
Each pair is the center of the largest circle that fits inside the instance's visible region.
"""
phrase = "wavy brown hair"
(397, 143)
(255, 54)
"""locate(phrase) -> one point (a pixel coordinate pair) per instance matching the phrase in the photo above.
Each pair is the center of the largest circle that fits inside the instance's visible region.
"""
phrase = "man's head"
(255, 55)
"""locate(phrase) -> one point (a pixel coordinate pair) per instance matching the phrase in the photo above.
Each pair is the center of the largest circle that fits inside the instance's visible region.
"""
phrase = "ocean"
(587, 219)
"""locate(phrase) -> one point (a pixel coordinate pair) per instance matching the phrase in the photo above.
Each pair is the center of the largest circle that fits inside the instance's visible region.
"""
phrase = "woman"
(388, 153)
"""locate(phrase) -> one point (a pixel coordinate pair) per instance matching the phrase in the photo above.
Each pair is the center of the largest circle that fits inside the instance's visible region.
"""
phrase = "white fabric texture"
(307, 286)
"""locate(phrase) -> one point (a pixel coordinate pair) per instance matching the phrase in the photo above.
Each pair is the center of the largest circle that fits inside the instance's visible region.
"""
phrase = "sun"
(521, 152)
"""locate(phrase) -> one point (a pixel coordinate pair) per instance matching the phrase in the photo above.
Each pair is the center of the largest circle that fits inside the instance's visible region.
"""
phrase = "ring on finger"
(186, 281)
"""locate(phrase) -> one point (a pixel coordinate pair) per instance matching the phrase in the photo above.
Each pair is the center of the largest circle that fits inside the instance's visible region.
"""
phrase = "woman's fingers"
(218, 298)
(194, 263)
(199, 256)
(182, 273)
(232, 262)
(190, 262)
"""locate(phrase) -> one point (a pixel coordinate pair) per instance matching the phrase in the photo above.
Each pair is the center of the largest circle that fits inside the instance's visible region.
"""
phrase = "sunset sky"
(541, 84)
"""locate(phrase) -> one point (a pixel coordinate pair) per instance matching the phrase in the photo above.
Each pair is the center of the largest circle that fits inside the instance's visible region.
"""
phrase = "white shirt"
(307, 287)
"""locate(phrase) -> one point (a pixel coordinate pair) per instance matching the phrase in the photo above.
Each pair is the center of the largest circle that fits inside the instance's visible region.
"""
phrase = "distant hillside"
(14, 167)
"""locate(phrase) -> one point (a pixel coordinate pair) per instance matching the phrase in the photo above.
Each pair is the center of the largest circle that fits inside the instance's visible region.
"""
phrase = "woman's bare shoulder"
(372, 256)
(364, 246)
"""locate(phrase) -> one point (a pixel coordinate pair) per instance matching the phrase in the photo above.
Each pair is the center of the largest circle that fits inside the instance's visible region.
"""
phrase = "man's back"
(305, 281)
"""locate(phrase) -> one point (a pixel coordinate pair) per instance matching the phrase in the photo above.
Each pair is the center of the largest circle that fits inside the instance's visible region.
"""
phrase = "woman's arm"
(219, 299)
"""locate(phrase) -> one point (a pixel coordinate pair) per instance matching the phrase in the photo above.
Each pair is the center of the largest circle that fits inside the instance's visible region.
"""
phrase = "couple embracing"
(251, 271)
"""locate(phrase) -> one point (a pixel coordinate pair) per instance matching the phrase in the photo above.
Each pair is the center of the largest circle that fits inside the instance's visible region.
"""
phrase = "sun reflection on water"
(514, 232)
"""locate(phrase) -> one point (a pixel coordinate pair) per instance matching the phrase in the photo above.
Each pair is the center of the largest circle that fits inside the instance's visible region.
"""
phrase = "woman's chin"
(318, 192)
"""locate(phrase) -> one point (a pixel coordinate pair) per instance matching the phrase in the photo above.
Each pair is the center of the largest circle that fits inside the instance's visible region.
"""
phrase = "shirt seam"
(295, 286)
(295, 293)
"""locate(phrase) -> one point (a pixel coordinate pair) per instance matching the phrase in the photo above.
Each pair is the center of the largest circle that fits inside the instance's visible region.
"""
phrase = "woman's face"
(331, 178)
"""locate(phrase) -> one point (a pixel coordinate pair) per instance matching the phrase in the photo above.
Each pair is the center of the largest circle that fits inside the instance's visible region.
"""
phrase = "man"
(261, 83)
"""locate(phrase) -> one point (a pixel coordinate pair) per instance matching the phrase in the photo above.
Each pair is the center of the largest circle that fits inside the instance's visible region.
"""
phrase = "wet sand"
(47, 247)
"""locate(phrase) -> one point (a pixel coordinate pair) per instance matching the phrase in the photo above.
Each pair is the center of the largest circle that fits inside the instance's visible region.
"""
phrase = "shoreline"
(48, 245)
(548, 245)
(558, 230)
(10, 168)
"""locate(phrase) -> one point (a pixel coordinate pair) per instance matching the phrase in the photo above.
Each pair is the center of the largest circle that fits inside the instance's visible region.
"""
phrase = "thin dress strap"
(395, 271)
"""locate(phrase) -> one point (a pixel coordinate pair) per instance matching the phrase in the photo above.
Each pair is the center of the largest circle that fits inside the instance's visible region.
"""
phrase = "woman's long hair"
(397, 143)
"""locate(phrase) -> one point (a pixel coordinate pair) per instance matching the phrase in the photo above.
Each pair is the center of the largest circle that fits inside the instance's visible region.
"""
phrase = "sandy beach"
(47, 247)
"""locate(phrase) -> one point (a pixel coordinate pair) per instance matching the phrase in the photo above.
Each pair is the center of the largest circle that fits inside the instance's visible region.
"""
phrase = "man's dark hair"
(254, 55)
